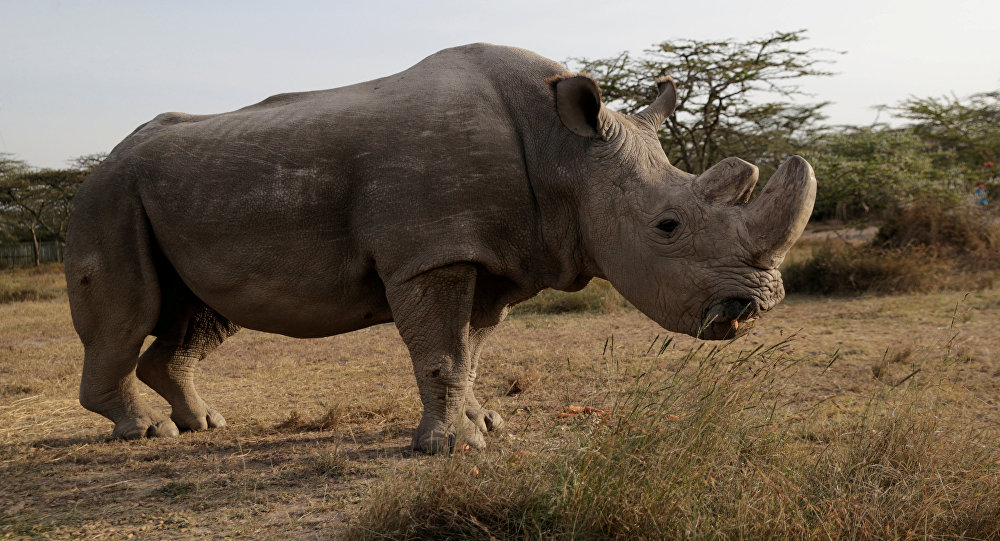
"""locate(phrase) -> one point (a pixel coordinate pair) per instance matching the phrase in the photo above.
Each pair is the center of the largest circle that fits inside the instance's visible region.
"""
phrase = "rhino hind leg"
(485, 420)
(168, 365)
(432, 312)
(109, 387)
(115, 303)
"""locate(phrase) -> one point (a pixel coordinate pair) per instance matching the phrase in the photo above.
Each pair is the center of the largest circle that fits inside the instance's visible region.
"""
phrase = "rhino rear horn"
(663, 106)
(729, 182)
(776, 218)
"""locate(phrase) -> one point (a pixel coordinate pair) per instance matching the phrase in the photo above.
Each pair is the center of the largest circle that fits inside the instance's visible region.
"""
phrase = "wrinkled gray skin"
(435, 198)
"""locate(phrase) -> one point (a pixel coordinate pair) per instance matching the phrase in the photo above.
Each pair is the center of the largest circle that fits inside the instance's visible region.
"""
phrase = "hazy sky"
(77, 77)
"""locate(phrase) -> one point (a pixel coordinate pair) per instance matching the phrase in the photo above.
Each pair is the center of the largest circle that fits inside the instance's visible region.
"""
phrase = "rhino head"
(691, 252)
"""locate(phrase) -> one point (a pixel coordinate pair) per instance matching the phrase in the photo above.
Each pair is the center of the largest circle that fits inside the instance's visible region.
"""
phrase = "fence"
(23, 255)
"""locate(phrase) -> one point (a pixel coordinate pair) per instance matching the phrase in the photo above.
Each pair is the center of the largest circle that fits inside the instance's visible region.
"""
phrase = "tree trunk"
(34, 246)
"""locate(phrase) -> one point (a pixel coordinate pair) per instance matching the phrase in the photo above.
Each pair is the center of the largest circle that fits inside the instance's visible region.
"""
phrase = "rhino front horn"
(777, 217)
(662, 107)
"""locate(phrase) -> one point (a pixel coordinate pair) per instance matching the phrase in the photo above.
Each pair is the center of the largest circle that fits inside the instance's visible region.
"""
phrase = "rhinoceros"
(435, 198)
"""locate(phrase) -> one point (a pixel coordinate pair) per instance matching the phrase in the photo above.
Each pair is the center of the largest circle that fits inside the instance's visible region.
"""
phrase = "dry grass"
(32, 284)
(713, 450)
(803, 440)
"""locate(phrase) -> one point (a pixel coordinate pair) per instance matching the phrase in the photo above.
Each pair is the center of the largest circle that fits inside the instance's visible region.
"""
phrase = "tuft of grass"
(333, 464)
(336, 417)
(382, 410)
(175, 489)
(15, 389)
(294, 421)
(520, 380)
(599, 297)
(712, 451)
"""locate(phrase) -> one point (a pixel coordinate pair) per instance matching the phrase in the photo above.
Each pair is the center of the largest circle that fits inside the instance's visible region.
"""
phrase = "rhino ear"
(578, 102)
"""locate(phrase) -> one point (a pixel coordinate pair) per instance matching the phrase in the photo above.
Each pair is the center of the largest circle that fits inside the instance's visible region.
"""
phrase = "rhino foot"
(201, 420)
(484, 419)
(438, 439)
(144, 427)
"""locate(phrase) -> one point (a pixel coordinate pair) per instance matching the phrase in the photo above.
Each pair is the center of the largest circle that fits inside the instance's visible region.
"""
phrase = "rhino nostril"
(741, 308)
(733, 308)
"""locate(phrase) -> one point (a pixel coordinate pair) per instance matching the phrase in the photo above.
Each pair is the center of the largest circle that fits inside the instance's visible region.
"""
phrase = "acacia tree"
(21, 204)
(11, 219)
(948, 144)
(734, 97)
(39, 201)
(61, 185)
(868, 170)
(968, 130)
(56, 189)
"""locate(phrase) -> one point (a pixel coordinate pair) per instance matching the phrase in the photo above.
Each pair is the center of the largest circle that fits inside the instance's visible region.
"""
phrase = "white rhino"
(436, 198)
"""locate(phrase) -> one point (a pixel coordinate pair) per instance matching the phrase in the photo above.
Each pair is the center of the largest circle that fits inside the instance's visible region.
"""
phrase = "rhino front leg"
(484, 419)
(432, 313)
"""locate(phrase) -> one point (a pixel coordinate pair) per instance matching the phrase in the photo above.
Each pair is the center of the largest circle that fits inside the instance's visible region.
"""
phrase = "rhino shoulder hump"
(166, 119)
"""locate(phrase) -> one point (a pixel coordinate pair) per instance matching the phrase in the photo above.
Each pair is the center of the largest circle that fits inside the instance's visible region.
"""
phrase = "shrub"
(840, 268)
(942, 225)
(934, 242)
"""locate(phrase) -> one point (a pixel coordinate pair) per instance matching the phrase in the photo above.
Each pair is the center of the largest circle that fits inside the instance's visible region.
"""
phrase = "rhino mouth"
(729, 318)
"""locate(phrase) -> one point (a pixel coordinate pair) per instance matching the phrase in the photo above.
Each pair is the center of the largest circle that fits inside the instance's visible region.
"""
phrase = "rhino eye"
(667, 226)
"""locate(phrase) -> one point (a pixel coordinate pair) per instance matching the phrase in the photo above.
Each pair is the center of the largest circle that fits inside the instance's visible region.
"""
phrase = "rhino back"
(285, 212)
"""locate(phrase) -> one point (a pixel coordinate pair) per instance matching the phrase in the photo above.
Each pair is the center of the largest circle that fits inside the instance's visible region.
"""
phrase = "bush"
(943, 226)
(932, 243)
(840, 268)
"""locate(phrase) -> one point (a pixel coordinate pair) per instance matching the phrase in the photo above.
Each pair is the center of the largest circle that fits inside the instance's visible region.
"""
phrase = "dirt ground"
(315, 424)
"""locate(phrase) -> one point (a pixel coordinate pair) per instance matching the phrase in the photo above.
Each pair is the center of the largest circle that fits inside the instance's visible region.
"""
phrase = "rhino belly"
(287, 270)
(275, 290)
